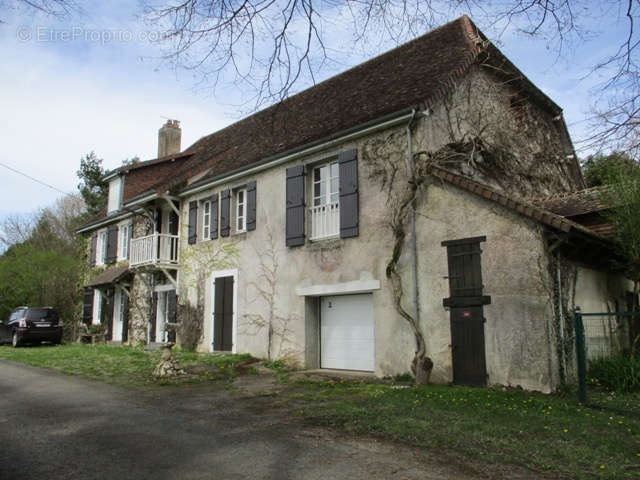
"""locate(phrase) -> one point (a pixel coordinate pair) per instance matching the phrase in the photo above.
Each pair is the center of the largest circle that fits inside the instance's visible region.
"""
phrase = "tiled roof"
(584, 207)
(414, 75)
(575, 203)
(108, 276)
(520, 206)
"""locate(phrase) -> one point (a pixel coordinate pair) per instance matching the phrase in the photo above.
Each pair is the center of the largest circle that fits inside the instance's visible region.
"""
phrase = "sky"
(95, 82)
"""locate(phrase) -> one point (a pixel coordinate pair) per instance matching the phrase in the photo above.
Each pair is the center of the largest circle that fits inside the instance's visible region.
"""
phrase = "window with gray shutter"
(348, 162)
(94, 246)
(225, 213)
(251, 205)
(295, 206)
(213, 228)
(193, 222)
(112, 244)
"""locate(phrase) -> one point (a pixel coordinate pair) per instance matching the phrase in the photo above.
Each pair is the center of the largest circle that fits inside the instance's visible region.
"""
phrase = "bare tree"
(54, 8)
(272, 47)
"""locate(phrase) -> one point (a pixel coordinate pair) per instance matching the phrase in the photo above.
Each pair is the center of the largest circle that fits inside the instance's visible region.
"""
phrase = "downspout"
(412, 217)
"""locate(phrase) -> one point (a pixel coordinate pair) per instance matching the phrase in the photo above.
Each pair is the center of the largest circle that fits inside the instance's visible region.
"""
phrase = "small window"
(123, 241)
(101, 250)
(241, 210)
(206, 219)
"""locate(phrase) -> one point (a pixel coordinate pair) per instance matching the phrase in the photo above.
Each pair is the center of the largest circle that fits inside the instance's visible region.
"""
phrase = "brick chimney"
(169, 137)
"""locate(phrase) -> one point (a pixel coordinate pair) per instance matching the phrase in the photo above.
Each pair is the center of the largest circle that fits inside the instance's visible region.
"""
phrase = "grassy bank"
(123, 366)
(550, 434)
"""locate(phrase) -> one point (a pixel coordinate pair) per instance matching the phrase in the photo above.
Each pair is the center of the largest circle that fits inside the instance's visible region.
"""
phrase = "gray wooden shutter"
(193, 222)
(112, 244)
(213, 211)
(172, 307)
(295, 206)
(94, 246)
(225, 213)
(87, 306)
(251, 205)
(348, 165)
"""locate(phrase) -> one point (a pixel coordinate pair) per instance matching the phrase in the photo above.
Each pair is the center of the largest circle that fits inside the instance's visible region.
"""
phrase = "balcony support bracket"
(171, 203)
(170, 278)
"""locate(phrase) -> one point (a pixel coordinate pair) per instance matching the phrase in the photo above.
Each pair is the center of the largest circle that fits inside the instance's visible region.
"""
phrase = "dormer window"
(115, 195)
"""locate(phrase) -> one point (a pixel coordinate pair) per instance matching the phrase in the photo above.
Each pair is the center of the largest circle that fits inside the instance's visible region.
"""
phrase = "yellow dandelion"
(602, 467)
(565, 430)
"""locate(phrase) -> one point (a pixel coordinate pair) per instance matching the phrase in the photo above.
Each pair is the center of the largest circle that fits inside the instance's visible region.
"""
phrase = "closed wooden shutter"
(152, 317)
(213, 224)
(111, 293)
(87, 306)
(125, 317)
(223, 314)
(193, 222)
(348, 165)
(172, 313)
(465, 272)
(112, 244)
(93, 249)
(295, 206)
(225, 213)
(251, 205)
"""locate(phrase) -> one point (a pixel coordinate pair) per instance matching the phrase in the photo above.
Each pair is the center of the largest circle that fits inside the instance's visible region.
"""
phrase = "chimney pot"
(169, 138)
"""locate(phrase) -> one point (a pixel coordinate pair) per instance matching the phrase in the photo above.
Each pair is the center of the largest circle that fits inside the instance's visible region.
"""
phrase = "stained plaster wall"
(517, 334)
(519, 343)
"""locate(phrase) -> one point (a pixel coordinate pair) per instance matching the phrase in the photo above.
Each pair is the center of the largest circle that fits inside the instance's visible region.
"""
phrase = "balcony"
(159, 250)
(325, 221)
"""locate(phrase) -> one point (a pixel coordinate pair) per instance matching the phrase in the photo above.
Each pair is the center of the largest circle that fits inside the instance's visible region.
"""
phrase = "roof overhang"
(336, 139)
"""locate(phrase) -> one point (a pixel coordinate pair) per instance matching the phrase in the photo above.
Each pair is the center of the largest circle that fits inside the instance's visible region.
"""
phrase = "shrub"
(620, 373)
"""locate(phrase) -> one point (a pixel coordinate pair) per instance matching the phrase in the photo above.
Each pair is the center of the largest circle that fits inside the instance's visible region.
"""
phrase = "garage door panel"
(347, 332)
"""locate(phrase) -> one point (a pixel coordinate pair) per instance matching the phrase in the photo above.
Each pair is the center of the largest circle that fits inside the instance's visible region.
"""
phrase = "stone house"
(413, 188)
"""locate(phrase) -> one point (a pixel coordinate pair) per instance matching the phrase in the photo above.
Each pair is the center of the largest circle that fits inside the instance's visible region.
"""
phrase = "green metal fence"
(601, 335)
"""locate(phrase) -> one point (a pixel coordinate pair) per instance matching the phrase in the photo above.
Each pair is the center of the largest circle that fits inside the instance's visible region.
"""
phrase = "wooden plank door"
(223, 314)
(466, 302)
(467, 344)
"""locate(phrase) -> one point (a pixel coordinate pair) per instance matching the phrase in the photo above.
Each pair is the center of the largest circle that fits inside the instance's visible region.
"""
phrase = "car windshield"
(42, 314)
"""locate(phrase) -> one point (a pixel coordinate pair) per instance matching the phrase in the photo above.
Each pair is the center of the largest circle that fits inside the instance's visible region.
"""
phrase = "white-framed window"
(206, 219)
(241, 210)
(124, 237)
(325, 205)
(101, 247)
(114, 200)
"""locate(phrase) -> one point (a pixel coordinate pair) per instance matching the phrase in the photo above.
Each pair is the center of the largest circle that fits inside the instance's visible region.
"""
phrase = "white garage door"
(346, 332)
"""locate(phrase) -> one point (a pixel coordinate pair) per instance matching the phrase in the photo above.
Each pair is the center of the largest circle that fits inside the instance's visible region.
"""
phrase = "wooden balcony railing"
(157, 249)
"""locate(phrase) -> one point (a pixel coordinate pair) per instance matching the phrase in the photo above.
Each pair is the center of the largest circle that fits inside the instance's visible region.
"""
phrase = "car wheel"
(15, 339)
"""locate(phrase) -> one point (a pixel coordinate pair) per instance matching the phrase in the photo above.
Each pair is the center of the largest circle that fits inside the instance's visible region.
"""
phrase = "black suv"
(31, 324)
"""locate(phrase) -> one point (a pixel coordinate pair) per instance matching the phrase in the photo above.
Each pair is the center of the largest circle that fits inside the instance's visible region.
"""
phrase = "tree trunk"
(421, 368)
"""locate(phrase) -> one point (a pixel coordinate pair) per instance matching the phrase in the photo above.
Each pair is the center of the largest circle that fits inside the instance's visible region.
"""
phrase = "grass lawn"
(123, 366)
(549, 434)
(546, 433)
